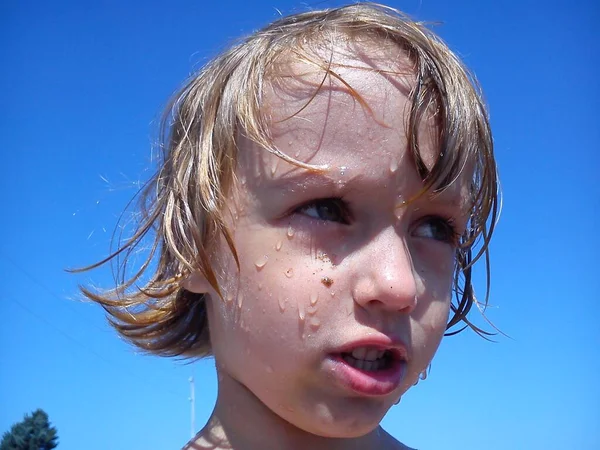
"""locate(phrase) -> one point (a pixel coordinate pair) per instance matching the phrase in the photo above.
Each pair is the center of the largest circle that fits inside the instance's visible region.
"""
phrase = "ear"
(197, 283)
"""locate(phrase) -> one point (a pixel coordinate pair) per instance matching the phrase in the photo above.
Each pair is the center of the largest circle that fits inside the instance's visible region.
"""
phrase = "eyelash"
(452, 236)
(344, 217)
(339, 204)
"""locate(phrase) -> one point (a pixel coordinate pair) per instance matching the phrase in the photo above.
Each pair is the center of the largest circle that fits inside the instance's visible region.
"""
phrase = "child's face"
(331, 264)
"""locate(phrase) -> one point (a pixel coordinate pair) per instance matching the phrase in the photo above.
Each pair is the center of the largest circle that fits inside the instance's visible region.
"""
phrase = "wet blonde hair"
(182, 206)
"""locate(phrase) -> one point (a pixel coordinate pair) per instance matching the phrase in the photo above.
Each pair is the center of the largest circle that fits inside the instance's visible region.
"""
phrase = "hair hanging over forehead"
(182, 207)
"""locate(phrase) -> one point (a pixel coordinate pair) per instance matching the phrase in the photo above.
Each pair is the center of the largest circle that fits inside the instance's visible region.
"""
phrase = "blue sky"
(83, 84)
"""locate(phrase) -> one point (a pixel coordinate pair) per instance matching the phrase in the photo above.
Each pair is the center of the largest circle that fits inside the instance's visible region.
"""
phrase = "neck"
(240, 421)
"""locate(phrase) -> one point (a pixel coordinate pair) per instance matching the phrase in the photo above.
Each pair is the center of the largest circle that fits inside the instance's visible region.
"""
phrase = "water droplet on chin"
(290, 232)
(278, 245)
(393, 166)
(260, 263)
(314, 297)
(289, 273)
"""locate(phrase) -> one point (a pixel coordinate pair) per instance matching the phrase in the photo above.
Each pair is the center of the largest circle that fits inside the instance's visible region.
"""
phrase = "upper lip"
(381, 342)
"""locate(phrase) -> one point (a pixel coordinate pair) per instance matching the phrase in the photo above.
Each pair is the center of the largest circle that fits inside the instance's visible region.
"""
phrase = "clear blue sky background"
(82, 84)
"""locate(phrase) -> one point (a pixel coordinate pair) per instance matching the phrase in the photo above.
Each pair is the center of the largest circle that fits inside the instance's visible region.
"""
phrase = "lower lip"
(376, 383)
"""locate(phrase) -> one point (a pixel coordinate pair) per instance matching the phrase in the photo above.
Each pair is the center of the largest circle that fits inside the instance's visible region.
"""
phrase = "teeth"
(367, 353)
(367, 366)
(359, 353)
(371, 355)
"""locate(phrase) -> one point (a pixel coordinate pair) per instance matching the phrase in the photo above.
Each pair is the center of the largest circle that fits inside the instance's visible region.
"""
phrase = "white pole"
(192, 407)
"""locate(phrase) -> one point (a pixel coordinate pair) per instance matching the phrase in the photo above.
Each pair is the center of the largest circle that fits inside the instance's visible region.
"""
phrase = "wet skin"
(330, 261)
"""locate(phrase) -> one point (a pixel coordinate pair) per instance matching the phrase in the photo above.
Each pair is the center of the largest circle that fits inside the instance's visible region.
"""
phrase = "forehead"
(343, 107)
(354, 90)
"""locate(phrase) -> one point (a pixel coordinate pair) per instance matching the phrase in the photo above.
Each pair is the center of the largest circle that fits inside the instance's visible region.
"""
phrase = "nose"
(385, 276)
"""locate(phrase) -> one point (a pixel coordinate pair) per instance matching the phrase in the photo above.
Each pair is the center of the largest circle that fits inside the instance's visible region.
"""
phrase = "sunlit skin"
(327, 258)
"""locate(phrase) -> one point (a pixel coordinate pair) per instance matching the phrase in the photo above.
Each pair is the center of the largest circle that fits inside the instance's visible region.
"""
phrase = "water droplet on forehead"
(289, 273)
(261, 262)
(278, 245)
(290, 232)
(314, 297)
(274, 165)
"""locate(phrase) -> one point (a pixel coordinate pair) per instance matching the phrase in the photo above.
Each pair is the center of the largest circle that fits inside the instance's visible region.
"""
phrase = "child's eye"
(437, 228)
(327, 209)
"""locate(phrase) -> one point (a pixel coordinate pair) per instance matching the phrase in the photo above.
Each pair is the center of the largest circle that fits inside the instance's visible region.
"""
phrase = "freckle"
(393, 166)
(314, 323)
(281, 302)
(289, 273)
(327, 281)
(290, 232)
(314, 297)
(260, 263)
(278, 245)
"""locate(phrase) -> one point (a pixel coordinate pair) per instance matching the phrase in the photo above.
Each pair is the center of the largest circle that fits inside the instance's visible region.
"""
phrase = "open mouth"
(369, 359)
(372, 370)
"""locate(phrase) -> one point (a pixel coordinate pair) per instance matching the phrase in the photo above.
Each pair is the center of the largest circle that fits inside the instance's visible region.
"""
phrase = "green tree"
(32, 433)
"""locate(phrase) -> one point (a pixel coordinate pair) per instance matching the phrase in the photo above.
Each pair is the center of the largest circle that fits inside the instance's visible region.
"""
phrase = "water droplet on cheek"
(282, 303)
(290, 232)
(229, 297)
(240, 300)
(393, 166)
(314, 298)
(261, 262)
(301, 313)
(314, 323)
(311, 310)
(289, 273)
(278, 245)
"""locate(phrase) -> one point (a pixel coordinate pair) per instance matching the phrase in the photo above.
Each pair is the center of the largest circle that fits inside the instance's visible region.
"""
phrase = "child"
(322, 188)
